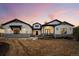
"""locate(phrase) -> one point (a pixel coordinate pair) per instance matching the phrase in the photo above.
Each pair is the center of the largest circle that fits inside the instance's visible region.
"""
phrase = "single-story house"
(54, 28)
(58, 28)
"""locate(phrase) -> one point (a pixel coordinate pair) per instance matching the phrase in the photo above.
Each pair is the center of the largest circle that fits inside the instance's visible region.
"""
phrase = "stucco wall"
(25, 28)
(68, 27)
(34, 32)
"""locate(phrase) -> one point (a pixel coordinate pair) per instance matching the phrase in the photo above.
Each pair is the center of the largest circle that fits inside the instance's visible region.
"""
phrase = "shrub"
(76, 33)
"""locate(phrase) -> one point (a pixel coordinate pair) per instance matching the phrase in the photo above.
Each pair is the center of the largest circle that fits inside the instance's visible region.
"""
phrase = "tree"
(1, 30)
(76, 33)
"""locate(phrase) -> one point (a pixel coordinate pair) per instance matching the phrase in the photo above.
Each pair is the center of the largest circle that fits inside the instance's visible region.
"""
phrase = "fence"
(15, 35)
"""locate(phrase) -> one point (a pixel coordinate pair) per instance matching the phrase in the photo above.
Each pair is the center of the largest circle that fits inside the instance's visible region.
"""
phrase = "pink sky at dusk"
(40, 12)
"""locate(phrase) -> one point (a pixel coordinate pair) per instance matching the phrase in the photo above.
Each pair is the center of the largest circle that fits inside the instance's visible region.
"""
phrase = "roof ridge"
(53, 21)
(16, 20)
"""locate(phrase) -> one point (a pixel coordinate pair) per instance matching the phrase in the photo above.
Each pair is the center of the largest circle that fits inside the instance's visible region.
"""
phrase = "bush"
(76, 33)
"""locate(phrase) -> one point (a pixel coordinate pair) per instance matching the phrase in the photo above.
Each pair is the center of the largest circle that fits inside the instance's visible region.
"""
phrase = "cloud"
(57, 13)
(76, 12)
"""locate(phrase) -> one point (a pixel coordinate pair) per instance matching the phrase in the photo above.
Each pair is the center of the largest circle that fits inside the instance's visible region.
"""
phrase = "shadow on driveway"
(4, 48)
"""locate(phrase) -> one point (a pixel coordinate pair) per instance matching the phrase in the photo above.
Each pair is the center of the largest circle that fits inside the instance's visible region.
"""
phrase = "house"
(17, 27)
(1, 29)
(53, 28)
(57, 28)
(64, 29)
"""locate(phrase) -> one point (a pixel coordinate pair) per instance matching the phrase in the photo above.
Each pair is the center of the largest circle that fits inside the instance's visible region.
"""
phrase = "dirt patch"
(55, 47)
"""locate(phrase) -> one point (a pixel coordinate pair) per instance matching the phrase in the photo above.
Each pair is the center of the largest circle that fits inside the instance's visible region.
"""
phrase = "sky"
(40, 12)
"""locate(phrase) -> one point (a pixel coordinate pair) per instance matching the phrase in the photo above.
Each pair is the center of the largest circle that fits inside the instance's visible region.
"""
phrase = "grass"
(55, 47)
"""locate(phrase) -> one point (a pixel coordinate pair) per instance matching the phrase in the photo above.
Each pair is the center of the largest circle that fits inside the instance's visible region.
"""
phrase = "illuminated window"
(48, 31)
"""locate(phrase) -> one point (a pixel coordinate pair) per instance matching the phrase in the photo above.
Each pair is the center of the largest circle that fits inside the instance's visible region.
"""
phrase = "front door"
(36, 32)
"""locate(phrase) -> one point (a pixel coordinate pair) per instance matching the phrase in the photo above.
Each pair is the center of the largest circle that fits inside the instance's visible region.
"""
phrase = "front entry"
(36, 32)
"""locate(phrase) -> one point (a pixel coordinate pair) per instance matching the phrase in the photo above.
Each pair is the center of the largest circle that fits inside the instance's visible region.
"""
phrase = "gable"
(15, 22)
(65, 23)
(54, 22)
(36, 26)
(64, 26)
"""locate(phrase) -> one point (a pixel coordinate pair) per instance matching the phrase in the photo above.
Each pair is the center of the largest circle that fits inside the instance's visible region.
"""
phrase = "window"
(36, 25)
(47, 31)
(16, 30)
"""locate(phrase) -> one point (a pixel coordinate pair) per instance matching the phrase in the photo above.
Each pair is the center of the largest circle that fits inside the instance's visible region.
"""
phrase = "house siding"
(25, 28)
(34, 32)
(59, 27)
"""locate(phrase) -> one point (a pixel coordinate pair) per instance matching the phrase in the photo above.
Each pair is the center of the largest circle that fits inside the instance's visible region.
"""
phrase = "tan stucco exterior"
(34, 32)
